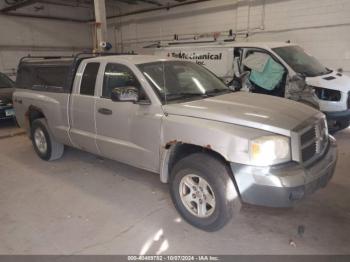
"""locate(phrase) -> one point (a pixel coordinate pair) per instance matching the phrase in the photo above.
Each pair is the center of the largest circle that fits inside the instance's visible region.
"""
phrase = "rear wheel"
(203, 191)
(44, 144)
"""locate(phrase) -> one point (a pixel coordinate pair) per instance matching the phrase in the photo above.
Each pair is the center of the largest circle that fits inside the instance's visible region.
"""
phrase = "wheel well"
(182, 150)
(33, 114)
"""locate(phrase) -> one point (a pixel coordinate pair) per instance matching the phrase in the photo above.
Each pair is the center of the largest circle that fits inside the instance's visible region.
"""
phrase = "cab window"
(88, 81)
(116, 76)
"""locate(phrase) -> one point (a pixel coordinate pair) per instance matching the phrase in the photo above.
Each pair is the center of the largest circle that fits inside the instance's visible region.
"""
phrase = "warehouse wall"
(321, 26)
(23, 36)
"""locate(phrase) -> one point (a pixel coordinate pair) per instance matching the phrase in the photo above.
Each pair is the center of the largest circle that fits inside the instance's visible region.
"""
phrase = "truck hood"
(273, 114)
(332, 81)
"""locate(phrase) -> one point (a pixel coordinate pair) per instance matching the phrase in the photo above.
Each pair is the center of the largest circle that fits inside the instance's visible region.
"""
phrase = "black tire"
(337, 126)
(217, 175)
(343, 124)
(54, 150)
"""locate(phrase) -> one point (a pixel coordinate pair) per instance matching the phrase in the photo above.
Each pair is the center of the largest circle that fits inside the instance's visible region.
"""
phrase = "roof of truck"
(48, 62)
(233, 44)
(135, 59)
(66, 61)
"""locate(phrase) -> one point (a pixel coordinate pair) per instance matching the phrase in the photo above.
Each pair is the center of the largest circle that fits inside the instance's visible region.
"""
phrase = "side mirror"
(125, 94)
(340, 70)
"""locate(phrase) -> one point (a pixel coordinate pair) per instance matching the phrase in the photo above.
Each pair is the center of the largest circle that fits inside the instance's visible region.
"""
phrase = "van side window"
(88, 81)
(117, 75)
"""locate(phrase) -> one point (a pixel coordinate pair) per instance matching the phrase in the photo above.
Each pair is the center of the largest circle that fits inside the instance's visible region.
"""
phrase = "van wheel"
(44, 144)
(336, 126)
(203, 191)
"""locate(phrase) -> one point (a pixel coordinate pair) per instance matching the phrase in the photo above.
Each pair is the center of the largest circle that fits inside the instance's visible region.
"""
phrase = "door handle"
(105, 111)
(19, 101)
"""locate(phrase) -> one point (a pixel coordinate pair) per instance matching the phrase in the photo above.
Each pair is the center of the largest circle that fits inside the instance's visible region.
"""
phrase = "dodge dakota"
(216, 148)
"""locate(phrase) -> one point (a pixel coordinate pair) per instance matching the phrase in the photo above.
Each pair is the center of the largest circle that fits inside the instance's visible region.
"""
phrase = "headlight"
(269, 150)
(327, 94)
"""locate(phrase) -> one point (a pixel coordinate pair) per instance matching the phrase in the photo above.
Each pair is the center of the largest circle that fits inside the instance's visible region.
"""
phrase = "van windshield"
(181, 80)
(5, 81)
(301, 62)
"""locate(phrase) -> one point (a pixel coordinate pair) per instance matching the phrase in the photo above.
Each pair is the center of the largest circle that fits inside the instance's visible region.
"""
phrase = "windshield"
(181, 80)
(5, 81)
(301, 62)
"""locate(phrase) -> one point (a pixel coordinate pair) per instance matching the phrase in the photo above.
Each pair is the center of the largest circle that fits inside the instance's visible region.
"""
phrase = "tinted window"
(37, 77)
(89, 79)
(117, 75)
(50, 76)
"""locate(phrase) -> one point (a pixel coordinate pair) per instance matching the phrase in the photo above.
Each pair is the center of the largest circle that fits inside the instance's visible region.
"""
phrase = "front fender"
(228, 140)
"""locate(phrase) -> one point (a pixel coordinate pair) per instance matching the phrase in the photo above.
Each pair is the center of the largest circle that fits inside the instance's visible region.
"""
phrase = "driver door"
(125, 131)
(265, 76)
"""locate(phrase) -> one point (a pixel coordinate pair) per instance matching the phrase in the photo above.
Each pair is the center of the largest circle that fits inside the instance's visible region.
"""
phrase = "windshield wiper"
(185, 94)
(217, 91)
(182, 95)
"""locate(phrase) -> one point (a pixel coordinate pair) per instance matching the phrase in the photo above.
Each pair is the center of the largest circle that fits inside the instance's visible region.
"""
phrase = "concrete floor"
(9, 128)
(85, 205)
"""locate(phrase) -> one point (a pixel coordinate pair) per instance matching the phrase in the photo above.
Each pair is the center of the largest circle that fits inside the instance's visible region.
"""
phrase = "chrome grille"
(308, 136)
(308, 152)
(314, 141)
(322, 137)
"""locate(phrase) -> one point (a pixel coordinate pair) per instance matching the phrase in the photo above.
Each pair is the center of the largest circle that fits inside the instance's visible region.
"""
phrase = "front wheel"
(203, 191)
(44, 144)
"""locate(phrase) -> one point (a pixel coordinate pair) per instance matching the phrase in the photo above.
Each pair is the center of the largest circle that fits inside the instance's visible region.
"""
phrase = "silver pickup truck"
(216, 148)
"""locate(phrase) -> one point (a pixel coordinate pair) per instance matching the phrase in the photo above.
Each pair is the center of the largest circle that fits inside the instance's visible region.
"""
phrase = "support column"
(101, 23)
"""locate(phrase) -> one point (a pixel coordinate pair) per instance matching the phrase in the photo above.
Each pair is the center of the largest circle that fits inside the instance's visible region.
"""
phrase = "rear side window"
(42, 77)
(50, 76)
(88, 81)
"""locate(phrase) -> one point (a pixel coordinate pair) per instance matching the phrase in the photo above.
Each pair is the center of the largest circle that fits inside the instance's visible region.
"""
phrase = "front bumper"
(338, 116)
(283, 185)
(4, 112)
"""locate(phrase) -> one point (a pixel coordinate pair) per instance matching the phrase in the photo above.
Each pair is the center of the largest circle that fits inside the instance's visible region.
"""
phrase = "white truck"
(276, 68)
(216, 148)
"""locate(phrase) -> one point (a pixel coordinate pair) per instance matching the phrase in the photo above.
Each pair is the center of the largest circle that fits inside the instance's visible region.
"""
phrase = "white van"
(279, 69)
